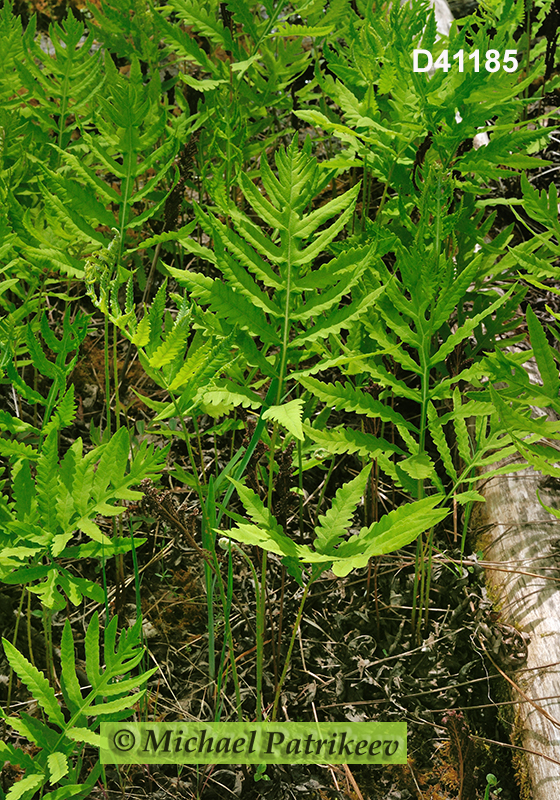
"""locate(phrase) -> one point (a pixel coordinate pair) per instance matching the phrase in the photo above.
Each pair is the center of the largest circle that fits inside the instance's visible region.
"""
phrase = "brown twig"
(512, 683)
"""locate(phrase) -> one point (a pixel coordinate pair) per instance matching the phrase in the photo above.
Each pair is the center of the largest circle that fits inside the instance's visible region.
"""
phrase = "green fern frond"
(57, 759)
(88, 175)
(438, 435)
(172, 346)
(227, 304)
(242, 283)
(63, 414)
(46, 481)
(393, 531)
(36, 682)
(64, 498)
(246, 255)
(339, 318)
(203, 365)
(456, 338)
(544, 355)
(285, 29)
(204, 22)
(112, 464)
(351, 399)
(9, 448)
(14, 424)
(332, 526)
(11, 54)
(461, 431)
(384, 378)
(346, 440)
(64, 83)
(184, 44)
(289, 416)
(540, 205)
(225, 393)
(243, 16)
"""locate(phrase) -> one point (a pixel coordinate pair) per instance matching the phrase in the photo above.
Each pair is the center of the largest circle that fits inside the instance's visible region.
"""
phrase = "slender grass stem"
(428, 580)
(211, 569)
(300, 486)
(417, 577)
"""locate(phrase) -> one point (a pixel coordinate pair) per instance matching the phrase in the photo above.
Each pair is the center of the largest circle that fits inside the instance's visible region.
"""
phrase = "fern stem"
(419, 562)
(418, 601)
(47, 630)
(211, 571)
(229, 637)
(208, 577)
(270, 25)
(116, 379)
(324, 489)
(365, 201)
(286, 320)
(104, 579)
(290, 649)
(386, 189)
(300, 485)
(417, 576)
(228, 642)
(252, 445)
(271, 462)
(528, 7)
(107, 381)
(16, 629)
(29, 639)
(228, 142)
(209, 583)
(119, 558)
(137, 596)
(260, 634)
(428, 581)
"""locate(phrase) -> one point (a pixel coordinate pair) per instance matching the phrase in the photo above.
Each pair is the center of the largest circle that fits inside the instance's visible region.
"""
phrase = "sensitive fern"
(63, 84)
(58, 740)
(64, 497)
(331, 549)
(270, 289)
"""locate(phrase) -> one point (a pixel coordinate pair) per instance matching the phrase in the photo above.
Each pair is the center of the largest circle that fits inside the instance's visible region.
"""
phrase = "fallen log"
(522, 562)
(521, 545)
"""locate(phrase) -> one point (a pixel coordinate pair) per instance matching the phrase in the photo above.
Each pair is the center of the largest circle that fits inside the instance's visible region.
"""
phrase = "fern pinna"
(272, 290)
(63, 497)
(59, 760)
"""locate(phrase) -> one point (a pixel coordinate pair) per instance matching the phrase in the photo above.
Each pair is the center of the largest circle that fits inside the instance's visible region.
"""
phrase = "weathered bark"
(519, 536)
(521, 540)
